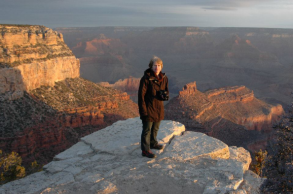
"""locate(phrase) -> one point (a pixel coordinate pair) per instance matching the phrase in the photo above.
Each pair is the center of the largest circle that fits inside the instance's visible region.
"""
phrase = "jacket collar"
(151, 76)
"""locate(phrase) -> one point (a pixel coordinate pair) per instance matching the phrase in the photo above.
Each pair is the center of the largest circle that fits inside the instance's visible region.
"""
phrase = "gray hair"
(154, 60)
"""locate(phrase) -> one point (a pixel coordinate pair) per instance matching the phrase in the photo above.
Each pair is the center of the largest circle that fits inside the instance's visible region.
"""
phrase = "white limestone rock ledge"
(110, 161)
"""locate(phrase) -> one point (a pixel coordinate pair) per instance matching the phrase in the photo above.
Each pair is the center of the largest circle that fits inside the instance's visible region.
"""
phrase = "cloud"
(224, 4)
(149, 5)
(143, 13)
(221, 8)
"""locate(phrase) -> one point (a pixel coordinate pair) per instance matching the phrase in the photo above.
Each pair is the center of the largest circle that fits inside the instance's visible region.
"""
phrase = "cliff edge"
(110, 161)
(32, 56)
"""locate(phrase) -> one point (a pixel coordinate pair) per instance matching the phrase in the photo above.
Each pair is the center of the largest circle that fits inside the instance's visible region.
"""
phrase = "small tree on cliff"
(259, 163)
(10, 167)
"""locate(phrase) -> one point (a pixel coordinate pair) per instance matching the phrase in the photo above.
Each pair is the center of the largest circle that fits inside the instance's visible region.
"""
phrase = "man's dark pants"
(149, 134)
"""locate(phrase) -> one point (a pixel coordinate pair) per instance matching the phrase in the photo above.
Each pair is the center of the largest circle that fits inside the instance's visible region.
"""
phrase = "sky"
(199, 13)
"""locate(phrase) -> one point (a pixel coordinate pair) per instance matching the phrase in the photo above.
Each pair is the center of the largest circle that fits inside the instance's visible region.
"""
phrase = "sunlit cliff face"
(157, 68)
(33, 56)
(231, 114)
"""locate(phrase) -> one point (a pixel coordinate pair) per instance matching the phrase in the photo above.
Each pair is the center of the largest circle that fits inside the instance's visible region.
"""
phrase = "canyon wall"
(11, 83)
(244, 108)
(129, 85)
(44, 106)
(231, 114)
(32, 56)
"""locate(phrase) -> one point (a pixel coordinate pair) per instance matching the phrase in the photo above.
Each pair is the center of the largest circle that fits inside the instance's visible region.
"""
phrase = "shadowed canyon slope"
(258, 58)
(44, 106)
(231, 114)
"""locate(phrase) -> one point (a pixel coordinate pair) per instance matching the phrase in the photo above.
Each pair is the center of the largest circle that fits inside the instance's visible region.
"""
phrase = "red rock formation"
(33, 56)
(129, 85)
(99, 46)
(221, 110)
(188, 89)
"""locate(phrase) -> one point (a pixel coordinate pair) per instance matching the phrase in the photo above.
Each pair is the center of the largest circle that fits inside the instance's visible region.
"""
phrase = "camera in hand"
(163, 95)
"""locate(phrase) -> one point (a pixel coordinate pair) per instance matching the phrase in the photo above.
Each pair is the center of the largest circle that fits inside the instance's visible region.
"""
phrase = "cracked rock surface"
(110, 161)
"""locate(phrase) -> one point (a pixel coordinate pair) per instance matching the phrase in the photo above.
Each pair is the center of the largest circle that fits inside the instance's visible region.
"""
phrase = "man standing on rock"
(153, 90)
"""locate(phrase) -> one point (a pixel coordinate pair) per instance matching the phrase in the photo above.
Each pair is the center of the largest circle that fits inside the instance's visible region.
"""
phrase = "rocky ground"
(110, 161)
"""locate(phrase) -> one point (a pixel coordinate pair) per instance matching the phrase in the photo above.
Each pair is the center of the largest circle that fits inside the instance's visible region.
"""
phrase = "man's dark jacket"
(151, 108)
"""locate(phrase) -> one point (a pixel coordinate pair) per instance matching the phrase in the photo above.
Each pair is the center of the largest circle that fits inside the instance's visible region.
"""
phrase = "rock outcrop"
(236, 104)
(218, 110)
(32, 56)
(129, 85)
(110, 161)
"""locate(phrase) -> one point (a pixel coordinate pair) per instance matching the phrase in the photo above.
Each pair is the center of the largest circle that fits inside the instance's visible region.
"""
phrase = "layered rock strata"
(222, 112)
(236, 104)
(129, 85)
(32, 56)
(110, 161)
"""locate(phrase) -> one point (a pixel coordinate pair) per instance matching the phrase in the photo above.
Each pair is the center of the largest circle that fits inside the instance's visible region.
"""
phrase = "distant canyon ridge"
(234, 80)
(258, 58)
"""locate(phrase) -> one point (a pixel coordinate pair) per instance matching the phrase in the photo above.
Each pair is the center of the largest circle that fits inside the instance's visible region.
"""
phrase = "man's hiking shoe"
(157, 147)
(148, 154)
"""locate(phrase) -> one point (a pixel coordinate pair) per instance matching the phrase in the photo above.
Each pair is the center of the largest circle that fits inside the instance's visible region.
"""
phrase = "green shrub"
(10, 167)
(35, 167)
(259, 163)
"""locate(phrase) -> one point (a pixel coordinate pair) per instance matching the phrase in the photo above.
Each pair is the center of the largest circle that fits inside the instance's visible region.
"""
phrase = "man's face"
(157, 68)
